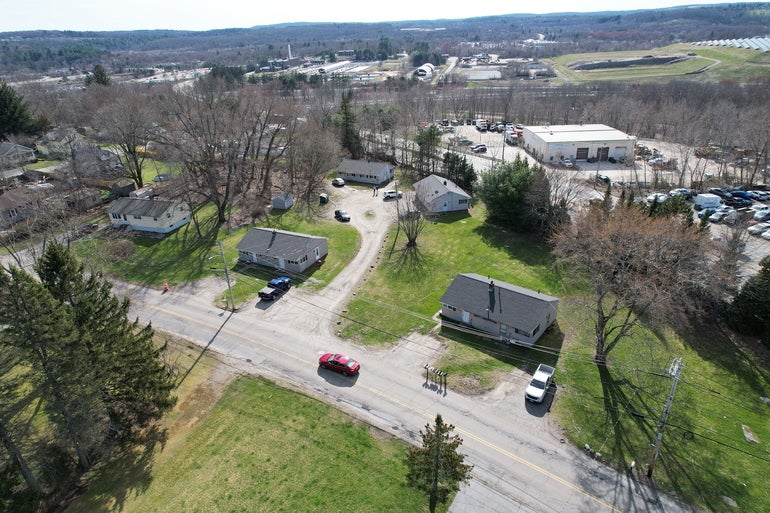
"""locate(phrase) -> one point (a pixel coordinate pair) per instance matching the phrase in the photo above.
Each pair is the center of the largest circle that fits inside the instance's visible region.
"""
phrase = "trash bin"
(324, 198)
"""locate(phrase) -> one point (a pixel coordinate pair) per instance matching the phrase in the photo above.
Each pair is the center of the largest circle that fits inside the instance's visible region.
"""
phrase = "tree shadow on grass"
(128, 473)
(409, 261)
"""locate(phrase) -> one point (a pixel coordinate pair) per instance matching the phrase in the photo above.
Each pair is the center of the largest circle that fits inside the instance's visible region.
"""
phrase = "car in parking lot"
(758, 229)
(479, 148)
(341, 215)
(391, 194)
(338, 182)
(706, 212)
(568, 163)
(737, 202)
(339, 363)
(685, 193)
(657, 197)
(762, 215)
(722, 193)
(720, 213)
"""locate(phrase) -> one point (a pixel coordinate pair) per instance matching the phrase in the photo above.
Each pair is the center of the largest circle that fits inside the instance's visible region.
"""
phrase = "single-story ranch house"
(551, 144)
(517, 315)
(15, 155)
(291, 251)
(435, 194)
(364, 171)
(149, 215)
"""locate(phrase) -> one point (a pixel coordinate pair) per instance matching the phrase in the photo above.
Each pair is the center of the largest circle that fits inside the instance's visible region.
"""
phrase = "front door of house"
(466, 317)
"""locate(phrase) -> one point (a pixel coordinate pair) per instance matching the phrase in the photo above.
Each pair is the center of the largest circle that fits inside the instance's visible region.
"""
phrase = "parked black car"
(738, 202)
(722, 193)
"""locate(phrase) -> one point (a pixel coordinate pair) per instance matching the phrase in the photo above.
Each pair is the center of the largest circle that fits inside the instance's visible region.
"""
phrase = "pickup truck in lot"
(275, 288)
(540, 383)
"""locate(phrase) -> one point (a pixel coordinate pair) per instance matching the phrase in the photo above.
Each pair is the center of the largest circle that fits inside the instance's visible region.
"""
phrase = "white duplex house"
(149, 215)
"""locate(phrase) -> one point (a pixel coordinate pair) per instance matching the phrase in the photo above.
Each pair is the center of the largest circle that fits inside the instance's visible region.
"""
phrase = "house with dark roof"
(15, 155)
(149, 215)
(15, 206)
(435, 194)
(290, 251)
(514, 314)
(364, 171)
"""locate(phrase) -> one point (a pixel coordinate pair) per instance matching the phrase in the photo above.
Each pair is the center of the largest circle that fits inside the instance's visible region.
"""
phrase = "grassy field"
(723, 63)
(415, 279)
(253, 446)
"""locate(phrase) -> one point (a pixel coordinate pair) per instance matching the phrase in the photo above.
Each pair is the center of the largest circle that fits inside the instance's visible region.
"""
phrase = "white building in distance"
(552, 143)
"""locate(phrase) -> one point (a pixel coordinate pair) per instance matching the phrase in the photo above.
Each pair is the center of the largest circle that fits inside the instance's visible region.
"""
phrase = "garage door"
(581, 154)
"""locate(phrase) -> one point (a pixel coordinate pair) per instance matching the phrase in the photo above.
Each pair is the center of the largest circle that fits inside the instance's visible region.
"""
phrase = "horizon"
(197, 15)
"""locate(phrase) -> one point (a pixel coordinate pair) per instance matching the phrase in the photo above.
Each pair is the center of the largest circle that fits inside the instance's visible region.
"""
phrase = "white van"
(481, 125)
(707, 200)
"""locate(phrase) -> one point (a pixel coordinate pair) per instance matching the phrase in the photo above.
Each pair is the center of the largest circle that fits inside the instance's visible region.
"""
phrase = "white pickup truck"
(540, 383)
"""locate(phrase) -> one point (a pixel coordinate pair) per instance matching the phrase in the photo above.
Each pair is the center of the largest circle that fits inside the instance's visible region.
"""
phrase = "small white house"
(15, 155)
(436, 194)
(364, 171)
(290, 251)
(149, 215)
(513, 314)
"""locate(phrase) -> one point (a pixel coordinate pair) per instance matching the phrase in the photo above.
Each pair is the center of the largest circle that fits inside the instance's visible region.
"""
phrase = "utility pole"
(673, 371)
(227, 275)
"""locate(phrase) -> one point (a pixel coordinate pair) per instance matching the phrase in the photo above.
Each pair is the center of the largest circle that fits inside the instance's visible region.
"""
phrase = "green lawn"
(185, 256)
(403, 293)
(258, 448)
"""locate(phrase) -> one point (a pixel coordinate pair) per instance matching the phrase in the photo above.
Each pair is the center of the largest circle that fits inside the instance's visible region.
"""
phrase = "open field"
(714, 64)
(242, 444)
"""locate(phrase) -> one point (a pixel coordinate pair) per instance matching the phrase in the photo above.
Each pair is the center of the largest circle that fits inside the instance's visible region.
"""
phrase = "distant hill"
(48, 51)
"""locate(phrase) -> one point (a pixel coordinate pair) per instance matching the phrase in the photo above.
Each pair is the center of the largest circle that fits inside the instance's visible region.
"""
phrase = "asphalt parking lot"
(498, 151)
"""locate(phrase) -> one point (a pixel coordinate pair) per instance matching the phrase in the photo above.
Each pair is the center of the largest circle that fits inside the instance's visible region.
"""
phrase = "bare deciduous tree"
(636, 266)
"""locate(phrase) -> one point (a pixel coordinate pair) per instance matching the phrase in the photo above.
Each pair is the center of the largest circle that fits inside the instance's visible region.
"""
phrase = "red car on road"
(339, 363)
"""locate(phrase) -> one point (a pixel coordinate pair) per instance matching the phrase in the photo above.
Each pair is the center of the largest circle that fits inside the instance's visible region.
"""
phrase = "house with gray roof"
(290, 251)
(15, 155)
(15, 206)
(435, 194)
(514, 314)
(364, 171)
(149, 215)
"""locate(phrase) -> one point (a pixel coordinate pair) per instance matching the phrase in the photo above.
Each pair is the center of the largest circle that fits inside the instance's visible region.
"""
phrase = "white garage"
(552, 143)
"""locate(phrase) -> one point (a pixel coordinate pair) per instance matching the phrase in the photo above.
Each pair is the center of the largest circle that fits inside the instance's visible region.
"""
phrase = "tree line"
(79, 380)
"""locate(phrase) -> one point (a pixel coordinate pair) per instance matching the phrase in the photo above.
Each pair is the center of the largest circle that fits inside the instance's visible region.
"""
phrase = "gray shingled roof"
(279, 243)
(140, 207)
(433, 186)
(508, 304)
(350, 166)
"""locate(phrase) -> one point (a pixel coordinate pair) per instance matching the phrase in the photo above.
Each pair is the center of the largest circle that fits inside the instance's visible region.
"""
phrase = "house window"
(503, 329)
(522, 332)
(449, 307)
(168, 215)
(137, 217)
(155, 219)
(537, 328)
(462, 201)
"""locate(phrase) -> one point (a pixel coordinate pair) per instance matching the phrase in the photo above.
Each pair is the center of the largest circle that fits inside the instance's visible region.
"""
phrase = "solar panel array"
(753, 43)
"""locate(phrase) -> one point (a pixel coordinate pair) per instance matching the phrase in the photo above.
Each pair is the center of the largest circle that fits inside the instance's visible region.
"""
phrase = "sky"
(104, 15)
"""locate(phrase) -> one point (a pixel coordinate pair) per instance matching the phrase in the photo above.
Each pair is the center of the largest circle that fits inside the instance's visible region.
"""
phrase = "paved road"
(520, 463)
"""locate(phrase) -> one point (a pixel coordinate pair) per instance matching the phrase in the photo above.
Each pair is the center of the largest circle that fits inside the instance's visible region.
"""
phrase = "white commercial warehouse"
(551, 144)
